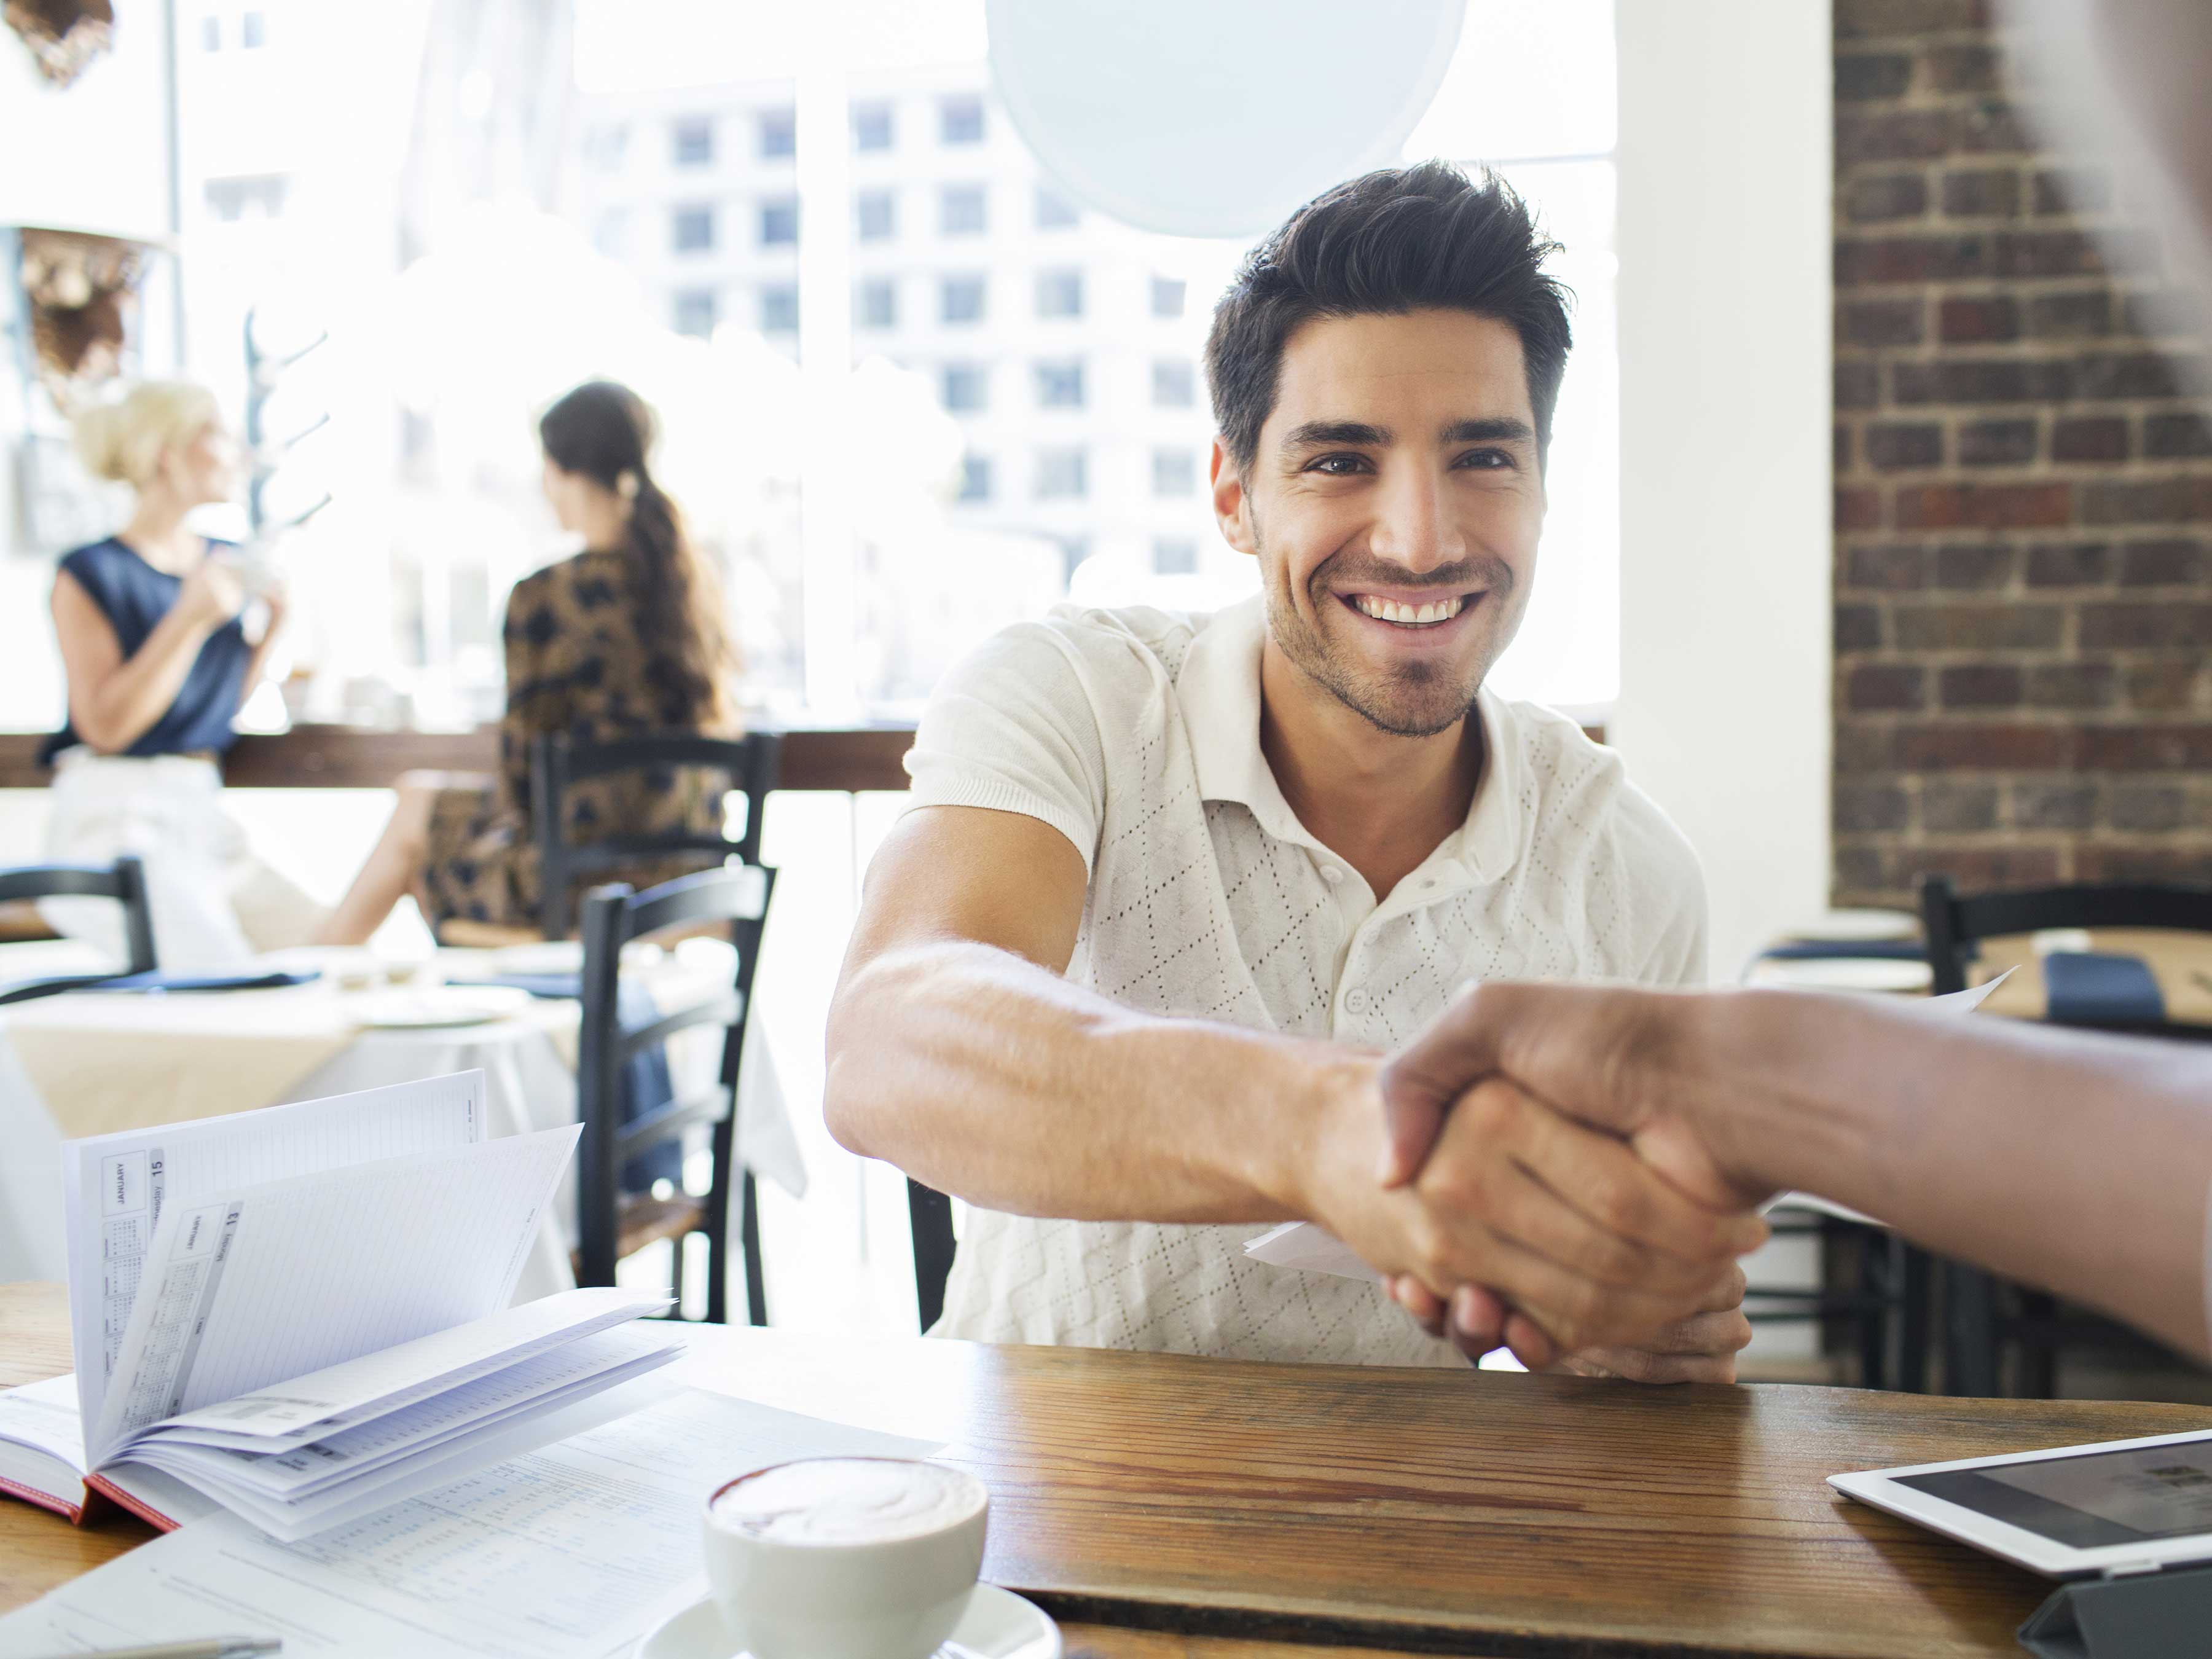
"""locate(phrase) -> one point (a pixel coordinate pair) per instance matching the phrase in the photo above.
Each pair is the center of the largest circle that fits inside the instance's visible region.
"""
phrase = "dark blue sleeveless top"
(134, 597)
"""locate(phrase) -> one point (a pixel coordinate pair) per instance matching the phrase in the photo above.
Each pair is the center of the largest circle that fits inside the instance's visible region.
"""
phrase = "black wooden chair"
(1983, 1319)
(613, 1224)
(929, 1213)
(123, 881)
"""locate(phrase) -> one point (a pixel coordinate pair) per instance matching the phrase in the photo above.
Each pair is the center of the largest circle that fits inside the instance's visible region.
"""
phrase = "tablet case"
(2150, 1615)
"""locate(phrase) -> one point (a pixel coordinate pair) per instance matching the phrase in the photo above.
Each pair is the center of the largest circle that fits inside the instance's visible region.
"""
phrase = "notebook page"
(245, 1289)
(43, 1415)
(114, 1186)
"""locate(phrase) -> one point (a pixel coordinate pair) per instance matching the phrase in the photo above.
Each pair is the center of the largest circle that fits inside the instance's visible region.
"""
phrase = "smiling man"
(1170, 886)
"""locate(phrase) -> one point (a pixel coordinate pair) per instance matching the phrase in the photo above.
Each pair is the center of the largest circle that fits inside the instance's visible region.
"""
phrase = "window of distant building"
(878, 215)
(691, 228)
(253, 31)
(878, 307)
(1060, 293)
(606, 146)
(1073, 550)
(778, 222)
(961, 210)
(691, 142)
(695, 312)
(611, 231)
(211, 32)
(1167, 296)
(1175, 383)
(1175, 555)
(779, 135)
(966, 387)
(871, 126)
(1054, 210)
(1059, 386)
(960, 299)
(255, 196)
(1063, 475)
(960, 121)
(1175, 471)
(976, 478)
(779, 308)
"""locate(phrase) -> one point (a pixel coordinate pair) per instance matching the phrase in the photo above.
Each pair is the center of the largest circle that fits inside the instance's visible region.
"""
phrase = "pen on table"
(210, 1647)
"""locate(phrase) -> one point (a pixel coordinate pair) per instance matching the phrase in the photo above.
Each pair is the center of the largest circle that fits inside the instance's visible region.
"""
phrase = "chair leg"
(749, 1233)
(676, 1275)
(2039, 1345)
(1970, 1361)
(1915, 1272)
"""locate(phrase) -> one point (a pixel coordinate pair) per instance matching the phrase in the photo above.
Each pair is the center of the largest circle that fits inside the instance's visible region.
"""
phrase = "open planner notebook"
(300, 1314)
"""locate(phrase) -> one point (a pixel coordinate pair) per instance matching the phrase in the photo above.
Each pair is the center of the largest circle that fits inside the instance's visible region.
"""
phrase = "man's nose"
(1413, 524)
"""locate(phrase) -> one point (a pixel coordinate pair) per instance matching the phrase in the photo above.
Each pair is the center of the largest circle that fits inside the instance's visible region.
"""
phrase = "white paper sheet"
(572, 1553)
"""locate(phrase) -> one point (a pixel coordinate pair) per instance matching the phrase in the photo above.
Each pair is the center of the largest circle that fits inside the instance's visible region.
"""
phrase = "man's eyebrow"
(1502, 428)
(1337, 432)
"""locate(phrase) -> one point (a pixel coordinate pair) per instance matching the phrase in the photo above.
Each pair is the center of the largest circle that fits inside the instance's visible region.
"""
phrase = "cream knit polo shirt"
(1136, 734)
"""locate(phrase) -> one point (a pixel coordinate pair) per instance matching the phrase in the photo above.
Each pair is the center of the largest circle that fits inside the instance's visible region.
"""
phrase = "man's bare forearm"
(989, 1076)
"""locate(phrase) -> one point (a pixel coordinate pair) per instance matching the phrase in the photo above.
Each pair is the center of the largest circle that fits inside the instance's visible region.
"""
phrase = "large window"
(691, 230)
(691, 142)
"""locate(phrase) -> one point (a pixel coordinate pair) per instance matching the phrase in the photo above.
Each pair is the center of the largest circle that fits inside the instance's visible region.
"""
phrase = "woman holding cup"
(152, 623)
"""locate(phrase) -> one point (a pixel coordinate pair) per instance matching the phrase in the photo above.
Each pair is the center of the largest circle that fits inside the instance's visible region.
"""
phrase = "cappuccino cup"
(845, 1557)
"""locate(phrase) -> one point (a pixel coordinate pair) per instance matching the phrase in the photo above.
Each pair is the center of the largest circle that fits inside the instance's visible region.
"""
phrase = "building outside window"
(691, 230)
(965, 388)
(779, 135)
(779, 308)
(1054, 211)
(1059, 385)
(1175, 555)
(1175, 383)
(871, 126)
(1060, 293)
(1175, 472)
(960, 121)
(878, 307)
(691, 142)
(877, 213)
(695, 311)
(611, 231)
(258, 196)
(962, 210)
(976, 478)
(211, 32)
(253, 31)
(1167, 296)
(1063, 475)
(961, 299)
(778, 222)
(606, 145)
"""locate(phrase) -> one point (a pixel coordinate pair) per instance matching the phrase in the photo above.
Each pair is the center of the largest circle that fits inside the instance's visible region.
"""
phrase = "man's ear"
(1232, 508)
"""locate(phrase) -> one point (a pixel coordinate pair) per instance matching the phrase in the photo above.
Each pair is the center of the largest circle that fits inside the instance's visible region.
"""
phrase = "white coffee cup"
(845, 1557)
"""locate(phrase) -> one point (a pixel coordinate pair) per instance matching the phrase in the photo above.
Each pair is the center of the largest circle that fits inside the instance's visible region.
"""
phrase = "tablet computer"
(2119, 1506)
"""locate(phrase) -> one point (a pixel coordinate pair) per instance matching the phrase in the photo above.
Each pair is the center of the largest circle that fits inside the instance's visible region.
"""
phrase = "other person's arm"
(112, 699)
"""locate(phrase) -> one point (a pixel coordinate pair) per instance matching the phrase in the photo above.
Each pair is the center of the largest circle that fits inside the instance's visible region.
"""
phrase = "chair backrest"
(929, 1215)
(1955, 924)
(558, 761)
(613, 916)
(123, 881)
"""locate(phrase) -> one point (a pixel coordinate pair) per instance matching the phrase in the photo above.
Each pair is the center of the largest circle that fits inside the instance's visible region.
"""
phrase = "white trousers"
(215, 903)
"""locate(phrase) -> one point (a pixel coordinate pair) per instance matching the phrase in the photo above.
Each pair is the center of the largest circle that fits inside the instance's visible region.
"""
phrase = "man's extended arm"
(2076, 1162)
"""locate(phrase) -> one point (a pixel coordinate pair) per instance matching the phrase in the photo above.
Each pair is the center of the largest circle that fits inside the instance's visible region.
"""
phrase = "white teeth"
(1407, 616)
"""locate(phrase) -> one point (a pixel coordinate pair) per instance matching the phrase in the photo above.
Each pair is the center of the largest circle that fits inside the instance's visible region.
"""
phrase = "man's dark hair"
(1395, 241)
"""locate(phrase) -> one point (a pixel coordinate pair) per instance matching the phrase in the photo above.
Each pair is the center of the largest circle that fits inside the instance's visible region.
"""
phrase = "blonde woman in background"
(154, 641)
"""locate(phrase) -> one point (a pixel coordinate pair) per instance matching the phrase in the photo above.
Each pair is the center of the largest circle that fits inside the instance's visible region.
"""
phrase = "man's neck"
(1381, 803)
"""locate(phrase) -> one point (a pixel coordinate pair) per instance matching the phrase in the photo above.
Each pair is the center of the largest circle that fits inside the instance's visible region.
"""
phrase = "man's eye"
(1486, 460)
(1338, 467)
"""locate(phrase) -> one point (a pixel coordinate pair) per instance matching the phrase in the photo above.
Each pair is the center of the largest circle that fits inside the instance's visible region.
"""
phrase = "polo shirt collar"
(1219, 692)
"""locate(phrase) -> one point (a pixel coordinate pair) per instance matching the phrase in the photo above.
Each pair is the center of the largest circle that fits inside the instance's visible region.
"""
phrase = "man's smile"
(1414, 613)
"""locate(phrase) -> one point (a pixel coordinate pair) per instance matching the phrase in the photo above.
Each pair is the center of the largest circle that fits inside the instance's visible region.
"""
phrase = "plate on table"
(552, 956)
(1857, 927)
(1892, 975)
(997, 1624)
(406, 1011)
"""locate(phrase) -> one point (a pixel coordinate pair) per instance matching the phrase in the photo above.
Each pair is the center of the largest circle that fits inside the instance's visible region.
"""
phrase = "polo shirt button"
(1356, 1000)
(1331, 874)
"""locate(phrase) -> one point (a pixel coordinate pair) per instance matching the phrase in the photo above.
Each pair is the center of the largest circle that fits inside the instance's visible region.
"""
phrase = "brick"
(1975, 566)
(1884, 198)
(1982, 507)
(2069, 564)
(1979, 869)
(2053, 805)
(2165, 685)
(1885, 687)
(2162, 564)
(1982, 193)
(1964, 69)
(1959, 808)
(2072, 189)
(1977, 747)
(1993, 128)
(2071, 686)
(1858, 627)
(2082, 314)
(1983, 381)
(1878, 323)
(1980, 685)
(2061, 253)
(2174, 748)
(1996, 443)
(1861, 20)
(1892, 445)
(2149, 808)
(1919, 135)
(1863, 77)
(2127, 375)
(2172, 437)
(1963, 321)
(1860, 749)
(1858, 509)
(1870, 261)
(1858, 809)
(2104, 438)
(1887, 567)
(1841, 460)
(2118, 862)
(2169, 626)
(2163, 500)
(1857, 386)
(1979, 627)
(1861, 875)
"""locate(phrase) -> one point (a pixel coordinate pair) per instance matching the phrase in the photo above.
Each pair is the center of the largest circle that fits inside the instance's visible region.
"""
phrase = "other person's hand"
(1701, 1348)
(1591, 1246)
(210, 593)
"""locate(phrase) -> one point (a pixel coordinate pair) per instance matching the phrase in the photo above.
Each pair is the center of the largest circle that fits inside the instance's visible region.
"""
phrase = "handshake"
(1543, 1168)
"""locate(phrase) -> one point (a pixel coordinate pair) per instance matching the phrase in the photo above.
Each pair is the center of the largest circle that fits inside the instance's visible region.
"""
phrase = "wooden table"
(2181, 963)
(1166, 1506)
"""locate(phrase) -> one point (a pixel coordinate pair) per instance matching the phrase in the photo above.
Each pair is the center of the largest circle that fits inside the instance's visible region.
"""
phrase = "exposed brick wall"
(2024, 495)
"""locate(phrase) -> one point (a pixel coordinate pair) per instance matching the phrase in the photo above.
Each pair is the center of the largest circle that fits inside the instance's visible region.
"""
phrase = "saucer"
(997, 1624)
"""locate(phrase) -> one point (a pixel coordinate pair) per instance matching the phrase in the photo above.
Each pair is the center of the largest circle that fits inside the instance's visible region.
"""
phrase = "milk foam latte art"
(848, 1500)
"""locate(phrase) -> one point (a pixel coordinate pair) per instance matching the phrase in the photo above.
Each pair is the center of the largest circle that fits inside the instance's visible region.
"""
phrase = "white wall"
(1725, 180)
(93, 156)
